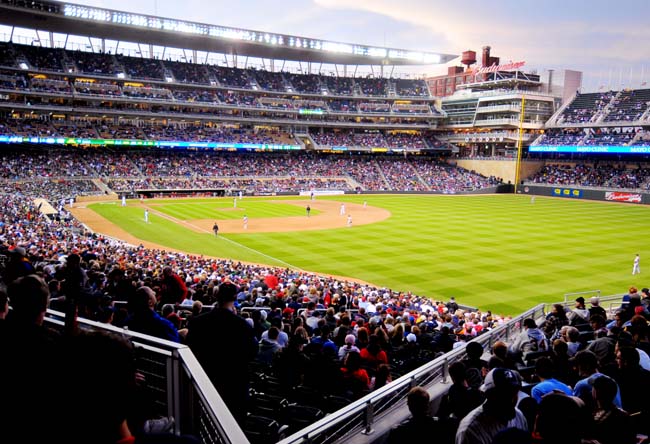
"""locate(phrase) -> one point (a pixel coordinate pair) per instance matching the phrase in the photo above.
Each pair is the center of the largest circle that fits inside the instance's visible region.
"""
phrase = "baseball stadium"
(222, 235)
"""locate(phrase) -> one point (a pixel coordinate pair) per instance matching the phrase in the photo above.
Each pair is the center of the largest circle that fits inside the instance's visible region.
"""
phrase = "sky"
(608, 40)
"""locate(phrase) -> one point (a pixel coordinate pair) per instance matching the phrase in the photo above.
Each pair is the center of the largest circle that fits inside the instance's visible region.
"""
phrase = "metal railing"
(359, 416)
(176, 383)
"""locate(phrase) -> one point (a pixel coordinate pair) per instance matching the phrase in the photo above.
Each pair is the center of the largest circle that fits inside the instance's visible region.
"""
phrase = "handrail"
(185, 386)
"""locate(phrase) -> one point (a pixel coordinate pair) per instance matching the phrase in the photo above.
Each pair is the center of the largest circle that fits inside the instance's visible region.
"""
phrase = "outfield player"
(342, 211)
(146, 216)
(636, 268)
(245, 222)
(215, 228)
(349, 220)
(308, 209)
(123, 200)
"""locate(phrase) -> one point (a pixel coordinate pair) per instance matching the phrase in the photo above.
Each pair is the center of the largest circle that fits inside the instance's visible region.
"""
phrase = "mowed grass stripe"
(499, 252)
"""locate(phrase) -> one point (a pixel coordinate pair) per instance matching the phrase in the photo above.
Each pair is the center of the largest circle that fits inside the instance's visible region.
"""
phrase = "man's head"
(418, 402)
(586, 362)
(29, 297)
(604, 390)
(474, 350)
(501, 386)
(143, 299)
(544, 368)
(227, 293)
(561, 418)
(627, 358)
(580, 302)
(530, 323)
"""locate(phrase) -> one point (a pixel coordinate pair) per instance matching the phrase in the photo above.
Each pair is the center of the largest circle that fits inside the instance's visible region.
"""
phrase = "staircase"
(554, 118)
(417, 175)
(381, 174)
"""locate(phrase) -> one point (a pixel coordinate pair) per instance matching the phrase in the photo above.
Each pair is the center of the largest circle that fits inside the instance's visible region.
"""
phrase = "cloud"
(548, 32)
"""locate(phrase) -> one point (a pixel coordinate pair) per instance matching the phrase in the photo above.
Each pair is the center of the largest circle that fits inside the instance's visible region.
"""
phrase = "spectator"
(611, 424)
(587, 365)
(348, 347)
(420, 423)
(544, 371)
(218, 334)
(173, 288)
(530, 340)
(269, 347)
(561, 419)
(579, 315)
(144, 319)
(497, 413)
(634, 384)
(596, 309)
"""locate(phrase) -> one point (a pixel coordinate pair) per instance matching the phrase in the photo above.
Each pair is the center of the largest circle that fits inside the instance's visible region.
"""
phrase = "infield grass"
(500, 252)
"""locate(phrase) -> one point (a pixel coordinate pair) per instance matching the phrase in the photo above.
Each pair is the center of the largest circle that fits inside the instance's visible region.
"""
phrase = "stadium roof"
(140, 28)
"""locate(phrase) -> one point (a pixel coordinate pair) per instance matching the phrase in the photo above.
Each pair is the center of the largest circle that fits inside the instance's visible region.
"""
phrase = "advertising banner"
(618, 196)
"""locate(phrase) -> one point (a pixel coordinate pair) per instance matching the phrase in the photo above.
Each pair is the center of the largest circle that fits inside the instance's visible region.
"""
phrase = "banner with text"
(617, 196)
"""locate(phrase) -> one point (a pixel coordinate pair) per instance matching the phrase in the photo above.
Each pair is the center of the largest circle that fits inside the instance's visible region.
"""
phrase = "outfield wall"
(583, 193)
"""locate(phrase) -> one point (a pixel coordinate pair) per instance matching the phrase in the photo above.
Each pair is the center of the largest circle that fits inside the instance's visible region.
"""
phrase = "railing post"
(369, 418)
(445, 371)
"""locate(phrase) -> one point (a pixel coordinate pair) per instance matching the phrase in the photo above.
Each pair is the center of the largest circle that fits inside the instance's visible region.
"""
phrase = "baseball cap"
(411, 337)
(500, 378)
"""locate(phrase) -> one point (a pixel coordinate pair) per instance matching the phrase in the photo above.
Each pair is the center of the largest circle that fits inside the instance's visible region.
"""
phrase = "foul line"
(182, 222)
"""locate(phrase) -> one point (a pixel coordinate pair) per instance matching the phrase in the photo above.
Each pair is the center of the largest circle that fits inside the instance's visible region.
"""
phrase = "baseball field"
(501, 252)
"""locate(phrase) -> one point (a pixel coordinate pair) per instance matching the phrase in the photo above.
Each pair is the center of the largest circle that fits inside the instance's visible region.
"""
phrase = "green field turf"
(500, 252)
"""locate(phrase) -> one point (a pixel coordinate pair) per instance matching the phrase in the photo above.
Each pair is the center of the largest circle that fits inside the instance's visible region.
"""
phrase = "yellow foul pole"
(520, 141)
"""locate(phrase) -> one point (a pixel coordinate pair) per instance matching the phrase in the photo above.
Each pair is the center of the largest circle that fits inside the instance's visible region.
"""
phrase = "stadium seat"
(298, 416)
(262, 430)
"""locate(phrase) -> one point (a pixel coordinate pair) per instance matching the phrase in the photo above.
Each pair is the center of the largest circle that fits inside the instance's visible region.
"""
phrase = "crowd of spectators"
(606, 136)
(629, 106)
(411, 88)
(585, 106)
(567, 136)
(602, 174)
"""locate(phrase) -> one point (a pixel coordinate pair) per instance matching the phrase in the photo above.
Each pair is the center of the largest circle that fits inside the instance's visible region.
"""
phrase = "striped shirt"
(480, 428)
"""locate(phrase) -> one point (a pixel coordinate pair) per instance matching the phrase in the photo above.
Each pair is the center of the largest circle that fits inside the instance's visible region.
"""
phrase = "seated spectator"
(144, 319)
(348, 347)
(497, 413)
(561, 419)
(634, 383)
(587, 365)
(545, 371)
(555, 321)
(355, 379)
(474, 352)
(580, 314)
(419, 424)
(611, 424)
(530, 340)
(461, 398)
(269, 347)
(596, 309)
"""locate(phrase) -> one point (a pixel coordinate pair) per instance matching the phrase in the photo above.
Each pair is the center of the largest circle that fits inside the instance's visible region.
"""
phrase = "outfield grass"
(500, 252)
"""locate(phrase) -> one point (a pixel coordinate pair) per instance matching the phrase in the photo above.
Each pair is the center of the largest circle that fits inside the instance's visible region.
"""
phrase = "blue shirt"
(549, 386)
(583, 390)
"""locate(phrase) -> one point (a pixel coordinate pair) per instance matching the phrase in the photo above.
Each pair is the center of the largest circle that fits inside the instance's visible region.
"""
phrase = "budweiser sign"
(623, 197)
(494, 68)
